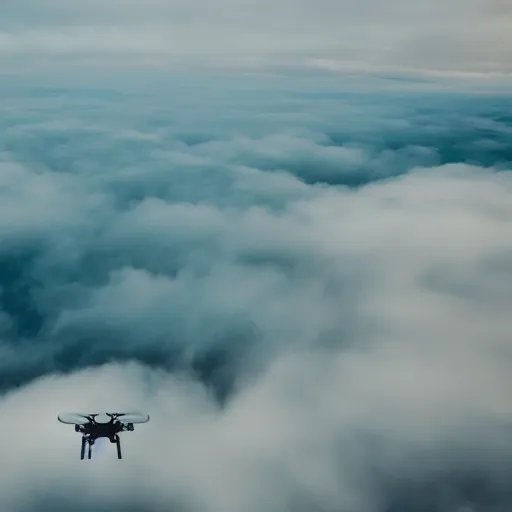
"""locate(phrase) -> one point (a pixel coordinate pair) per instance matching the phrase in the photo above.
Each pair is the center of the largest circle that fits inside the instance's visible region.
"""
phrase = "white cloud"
(362, 334)
(427, 382)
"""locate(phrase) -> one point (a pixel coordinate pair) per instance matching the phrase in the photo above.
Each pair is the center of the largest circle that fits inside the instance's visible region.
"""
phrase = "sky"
(283, 233)
(469, 38)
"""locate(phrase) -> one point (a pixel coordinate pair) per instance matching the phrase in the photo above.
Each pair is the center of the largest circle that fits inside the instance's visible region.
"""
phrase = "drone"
(109, 425)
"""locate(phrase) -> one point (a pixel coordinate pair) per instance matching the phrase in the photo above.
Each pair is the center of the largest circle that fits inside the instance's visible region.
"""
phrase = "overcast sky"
(436, 37)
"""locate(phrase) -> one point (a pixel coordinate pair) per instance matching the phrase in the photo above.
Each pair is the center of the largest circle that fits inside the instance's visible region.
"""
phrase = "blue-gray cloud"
(308, 290)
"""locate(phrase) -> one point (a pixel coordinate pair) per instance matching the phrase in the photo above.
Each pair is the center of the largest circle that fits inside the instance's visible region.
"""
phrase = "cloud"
(434, 37)
(308, 291)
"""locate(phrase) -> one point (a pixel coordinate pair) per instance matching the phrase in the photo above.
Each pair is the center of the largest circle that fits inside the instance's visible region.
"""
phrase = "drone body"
(109, 425)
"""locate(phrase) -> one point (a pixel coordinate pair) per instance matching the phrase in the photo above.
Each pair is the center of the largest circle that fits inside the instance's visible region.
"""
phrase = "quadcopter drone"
(94, 426)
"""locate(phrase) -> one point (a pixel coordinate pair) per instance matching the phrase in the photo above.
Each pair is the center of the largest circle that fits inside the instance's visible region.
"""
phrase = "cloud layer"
(460, 36)
(308, 291)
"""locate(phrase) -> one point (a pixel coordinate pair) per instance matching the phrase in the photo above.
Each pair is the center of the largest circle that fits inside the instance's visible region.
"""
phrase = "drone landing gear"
(85, 441)
(117, 441)
(90, 441)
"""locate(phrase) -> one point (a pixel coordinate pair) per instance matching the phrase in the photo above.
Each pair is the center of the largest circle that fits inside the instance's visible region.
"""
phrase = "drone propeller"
(132, 417)
(75, 418)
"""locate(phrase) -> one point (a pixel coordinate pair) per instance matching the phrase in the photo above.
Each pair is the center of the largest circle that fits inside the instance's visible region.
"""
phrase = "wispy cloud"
(435, 37)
